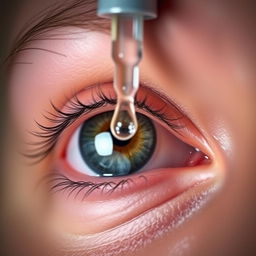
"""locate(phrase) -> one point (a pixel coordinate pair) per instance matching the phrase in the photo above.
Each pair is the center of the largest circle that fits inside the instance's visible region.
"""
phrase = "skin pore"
(201, 54)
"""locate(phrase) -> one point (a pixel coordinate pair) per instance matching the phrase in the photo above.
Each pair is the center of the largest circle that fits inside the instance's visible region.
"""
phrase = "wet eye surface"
(93, 151)
(107, 156)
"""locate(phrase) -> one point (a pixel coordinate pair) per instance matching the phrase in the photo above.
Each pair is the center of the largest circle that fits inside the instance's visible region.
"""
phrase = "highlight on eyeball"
(128, 128)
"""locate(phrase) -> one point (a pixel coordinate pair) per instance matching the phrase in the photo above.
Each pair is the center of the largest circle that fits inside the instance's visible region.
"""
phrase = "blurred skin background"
(202, 54)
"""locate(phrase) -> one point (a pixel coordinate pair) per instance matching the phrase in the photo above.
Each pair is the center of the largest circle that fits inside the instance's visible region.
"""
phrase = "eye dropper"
(127, 42)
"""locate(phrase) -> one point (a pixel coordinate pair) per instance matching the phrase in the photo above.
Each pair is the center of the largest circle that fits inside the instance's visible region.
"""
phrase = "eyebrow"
(77, 13)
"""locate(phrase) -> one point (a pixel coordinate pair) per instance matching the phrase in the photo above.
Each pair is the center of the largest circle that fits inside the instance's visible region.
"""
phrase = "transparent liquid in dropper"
(126, 52)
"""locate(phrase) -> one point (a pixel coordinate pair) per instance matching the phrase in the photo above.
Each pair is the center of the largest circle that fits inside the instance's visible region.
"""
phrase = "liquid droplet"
(124, 122)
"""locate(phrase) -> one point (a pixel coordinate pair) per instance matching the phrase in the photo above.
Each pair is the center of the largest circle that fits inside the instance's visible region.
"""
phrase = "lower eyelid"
(147, 178)
(140, 195)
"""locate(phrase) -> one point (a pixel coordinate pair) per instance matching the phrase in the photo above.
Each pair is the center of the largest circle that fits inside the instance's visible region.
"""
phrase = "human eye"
(89, 167)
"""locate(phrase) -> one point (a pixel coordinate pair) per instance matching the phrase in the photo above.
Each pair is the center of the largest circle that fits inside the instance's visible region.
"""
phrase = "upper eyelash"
(49, 134)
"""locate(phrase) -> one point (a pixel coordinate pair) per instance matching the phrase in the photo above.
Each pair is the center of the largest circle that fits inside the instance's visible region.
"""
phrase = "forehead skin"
(195, 41)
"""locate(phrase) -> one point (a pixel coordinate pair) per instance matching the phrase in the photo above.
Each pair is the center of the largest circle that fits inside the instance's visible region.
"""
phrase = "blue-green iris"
(107, 156)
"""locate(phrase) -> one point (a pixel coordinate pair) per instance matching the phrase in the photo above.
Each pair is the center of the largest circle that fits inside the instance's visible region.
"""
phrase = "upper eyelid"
(62, 119)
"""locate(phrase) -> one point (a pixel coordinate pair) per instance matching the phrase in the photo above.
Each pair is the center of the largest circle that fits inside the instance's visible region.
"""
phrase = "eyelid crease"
(75, 108)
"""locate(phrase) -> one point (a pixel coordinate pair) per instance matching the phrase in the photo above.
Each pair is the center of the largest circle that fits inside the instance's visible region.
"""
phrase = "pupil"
(119, 143)
(107, 156)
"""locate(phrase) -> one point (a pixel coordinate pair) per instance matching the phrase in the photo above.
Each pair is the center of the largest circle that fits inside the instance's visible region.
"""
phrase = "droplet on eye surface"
(124, 122)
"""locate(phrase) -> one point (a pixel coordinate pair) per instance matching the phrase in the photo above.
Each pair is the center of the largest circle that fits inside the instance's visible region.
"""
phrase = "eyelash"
(77, 187)
(49, 134)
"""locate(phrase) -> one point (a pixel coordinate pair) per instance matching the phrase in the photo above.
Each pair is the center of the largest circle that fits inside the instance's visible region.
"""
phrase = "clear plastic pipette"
(127, 41)
(127, 35)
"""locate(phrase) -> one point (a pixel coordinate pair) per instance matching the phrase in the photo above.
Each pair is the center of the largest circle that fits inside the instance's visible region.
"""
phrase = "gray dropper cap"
(145, 8)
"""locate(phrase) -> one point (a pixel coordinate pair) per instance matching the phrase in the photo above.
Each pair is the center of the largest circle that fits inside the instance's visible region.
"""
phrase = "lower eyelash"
(49, 135)
(64, 184)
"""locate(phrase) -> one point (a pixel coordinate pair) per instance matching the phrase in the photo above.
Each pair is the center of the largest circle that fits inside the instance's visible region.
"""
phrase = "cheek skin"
(212, 59)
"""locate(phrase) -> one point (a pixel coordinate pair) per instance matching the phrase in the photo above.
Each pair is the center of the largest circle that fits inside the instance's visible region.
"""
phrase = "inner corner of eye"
(94, 151)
